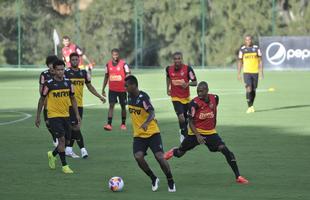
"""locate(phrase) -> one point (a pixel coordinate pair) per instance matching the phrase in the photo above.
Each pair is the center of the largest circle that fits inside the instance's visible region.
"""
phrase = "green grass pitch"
(271, 146)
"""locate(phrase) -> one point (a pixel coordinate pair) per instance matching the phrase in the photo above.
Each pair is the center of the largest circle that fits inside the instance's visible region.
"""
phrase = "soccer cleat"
(123, 127)
(155, 185)
(66, 169)
(249, 110)
(84, 153)
(242, 180)
(169, 154)
(51, 160)
(108, 127)
(252, 109)
(70, 153)
(172, 189)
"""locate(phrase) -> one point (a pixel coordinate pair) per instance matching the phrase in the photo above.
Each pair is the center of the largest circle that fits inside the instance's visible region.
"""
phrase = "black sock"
(123, 120)
(55, 152)
(253, 94)
(62, 156)
(79, 140)
(110, 120)
(231, 161)
(71, 143)
(248, 99)
(183, 128)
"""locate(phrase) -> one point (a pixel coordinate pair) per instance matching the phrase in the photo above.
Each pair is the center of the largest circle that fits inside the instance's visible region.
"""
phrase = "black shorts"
(212, 142)
(122, 97)
(142, 144)
(73, 119)
(250, 80)
(60, 127)
(180, 108)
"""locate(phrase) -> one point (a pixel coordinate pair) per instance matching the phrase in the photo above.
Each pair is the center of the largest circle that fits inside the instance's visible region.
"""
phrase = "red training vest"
(176, 80)
(117, 76)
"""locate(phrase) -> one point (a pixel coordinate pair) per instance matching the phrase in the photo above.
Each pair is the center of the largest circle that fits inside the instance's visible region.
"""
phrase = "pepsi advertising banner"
(285, 52)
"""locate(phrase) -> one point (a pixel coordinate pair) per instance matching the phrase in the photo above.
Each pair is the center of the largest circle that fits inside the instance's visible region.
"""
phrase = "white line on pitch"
(26, 116)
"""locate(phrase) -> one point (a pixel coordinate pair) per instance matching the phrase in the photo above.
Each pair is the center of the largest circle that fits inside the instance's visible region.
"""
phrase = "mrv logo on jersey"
(286, 52)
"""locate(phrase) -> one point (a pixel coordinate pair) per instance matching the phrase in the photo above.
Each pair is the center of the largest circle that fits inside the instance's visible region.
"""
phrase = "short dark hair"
(179, 53)
(50, 59)
(66, 37)
(58, 62)
(132, 80)
(203, 83)
(74, 54)
(115, 50)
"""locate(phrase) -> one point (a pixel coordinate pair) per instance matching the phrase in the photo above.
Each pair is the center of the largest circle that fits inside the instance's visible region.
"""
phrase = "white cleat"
(155, 186)
(70, 153)
(84, 153)
(172, 189)
(181, 137)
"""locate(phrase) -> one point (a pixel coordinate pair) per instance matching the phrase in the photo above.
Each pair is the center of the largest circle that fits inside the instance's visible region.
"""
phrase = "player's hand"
(37, 122)
(200, 139)
(78, 118)
(102, 99)
(103, 94)
(144, 126)
(261, 76)
(169, 92)
(239, 77)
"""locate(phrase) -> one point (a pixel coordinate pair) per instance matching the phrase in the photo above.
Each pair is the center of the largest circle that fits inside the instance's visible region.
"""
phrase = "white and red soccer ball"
(116, 184)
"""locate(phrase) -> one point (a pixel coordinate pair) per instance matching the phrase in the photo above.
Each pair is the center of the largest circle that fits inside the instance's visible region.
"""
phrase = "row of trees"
(168, 26)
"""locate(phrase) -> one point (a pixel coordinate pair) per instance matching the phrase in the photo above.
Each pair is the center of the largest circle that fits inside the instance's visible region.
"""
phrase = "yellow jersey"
(250, 57)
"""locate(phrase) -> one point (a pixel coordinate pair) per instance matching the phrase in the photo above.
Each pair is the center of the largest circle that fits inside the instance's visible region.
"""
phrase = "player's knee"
(139, 156)
(123, 106)
(111, 106)
(159, 156)
(178, 153)
(221, 147)
(248, 88)
(181, 118)
(75, 127)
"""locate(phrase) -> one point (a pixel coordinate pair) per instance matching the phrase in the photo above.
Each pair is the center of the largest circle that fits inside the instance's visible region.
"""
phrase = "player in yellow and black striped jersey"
(60, 95)
(44, 76)
(146, 133)
(250, 60)
(79, 78)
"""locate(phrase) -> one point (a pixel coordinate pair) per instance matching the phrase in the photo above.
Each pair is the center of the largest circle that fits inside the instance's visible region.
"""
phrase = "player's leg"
(79, 136)
(112, 102)
(74, 135)
(60, 127)
(123, 102)
(179, 110)
(188, 143)
(215, 143)
(254, 86)
(140, 146)
(248, 87)
(55, 141)
(157, 149)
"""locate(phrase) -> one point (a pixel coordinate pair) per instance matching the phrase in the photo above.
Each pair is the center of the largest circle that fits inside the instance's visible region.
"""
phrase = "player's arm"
(91, 88)
(105, 81)
(127, 69)
(191, 77)
(81, 53)
(168, 81)
(150, 109)
(260, 64)
(44, 91)
(191, 114)
(75, 108)
(240, 65)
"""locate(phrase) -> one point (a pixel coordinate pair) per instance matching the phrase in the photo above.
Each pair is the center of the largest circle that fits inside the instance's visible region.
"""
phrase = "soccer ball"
(116, 184)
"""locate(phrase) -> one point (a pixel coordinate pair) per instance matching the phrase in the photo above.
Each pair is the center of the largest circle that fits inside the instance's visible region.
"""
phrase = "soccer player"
(70, 47)
(146, 133)
(45, 76)
(59, 94)
(79, 78)
(202, 123)
(250, 60)
(178, 79)
(116, 71)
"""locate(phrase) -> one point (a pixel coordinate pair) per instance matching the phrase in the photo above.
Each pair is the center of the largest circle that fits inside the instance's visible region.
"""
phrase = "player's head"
(115, 54)
(66, 40)
(59, 68)
(177, 58)
(248, 40)
(49, 61)
(202, 90)
(131, 83)
(74, 60)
